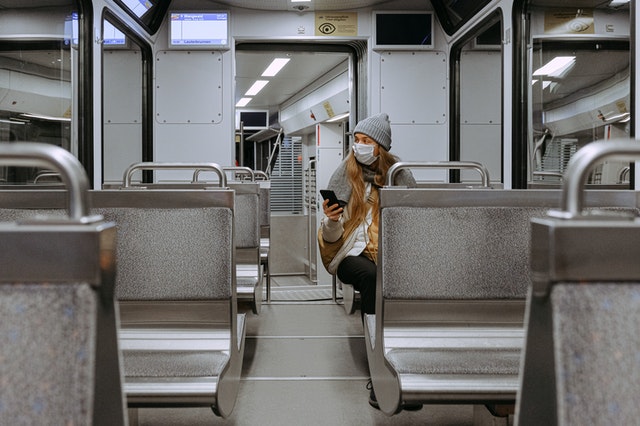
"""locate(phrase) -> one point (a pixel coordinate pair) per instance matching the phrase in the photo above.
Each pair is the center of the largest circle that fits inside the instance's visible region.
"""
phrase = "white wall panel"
(480, 103)
(199, 101)
(122, 81)
(413, 87)
(481, 143)
(123, 147)
(421, 143)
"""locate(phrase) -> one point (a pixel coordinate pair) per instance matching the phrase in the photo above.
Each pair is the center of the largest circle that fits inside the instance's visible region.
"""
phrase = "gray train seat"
(181, 336)
(350, 296)
(265, 232)
(453, 274)
(249, 270)
(248, 219)
(58, 318)
(580, 361)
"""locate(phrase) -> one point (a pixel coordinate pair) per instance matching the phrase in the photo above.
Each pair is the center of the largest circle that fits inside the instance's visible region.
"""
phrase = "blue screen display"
(199, 29)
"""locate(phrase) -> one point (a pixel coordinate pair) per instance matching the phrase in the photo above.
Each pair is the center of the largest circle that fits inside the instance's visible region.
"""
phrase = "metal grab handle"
(46, 174)
(451, 165)
(581, 164)
(548, 173)
(260, 174)
(624, 174)
(126, 180)
(242, 170)
(72, 174)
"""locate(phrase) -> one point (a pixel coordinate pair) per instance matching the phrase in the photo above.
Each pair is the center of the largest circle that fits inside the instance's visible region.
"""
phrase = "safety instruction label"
(337, 24)
(569, 21)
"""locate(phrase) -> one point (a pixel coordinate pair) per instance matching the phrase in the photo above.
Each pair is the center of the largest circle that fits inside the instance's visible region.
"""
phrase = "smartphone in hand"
(327, 194)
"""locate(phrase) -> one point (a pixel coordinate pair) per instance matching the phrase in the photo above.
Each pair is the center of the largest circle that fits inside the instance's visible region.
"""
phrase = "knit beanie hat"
(378, 128)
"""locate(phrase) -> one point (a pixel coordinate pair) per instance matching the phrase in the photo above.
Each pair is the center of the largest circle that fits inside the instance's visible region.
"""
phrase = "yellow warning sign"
(329, 109)
(336, 24)
(569, 21)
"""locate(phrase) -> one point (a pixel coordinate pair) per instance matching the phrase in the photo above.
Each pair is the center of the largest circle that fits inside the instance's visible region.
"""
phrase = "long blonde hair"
(357, 203)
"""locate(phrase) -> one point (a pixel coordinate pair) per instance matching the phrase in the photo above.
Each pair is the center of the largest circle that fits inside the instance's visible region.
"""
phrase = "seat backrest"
(59, 358)
(248, 215)
(58, 324)
(463, 252)
(458, 244)
(596, 348)
(172, 245)
(265, 203)
(581, 351)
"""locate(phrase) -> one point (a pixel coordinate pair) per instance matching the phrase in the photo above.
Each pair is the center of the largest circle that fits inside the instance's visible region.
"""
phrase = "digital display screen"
(254, 119)
(199, 30)
(403, 30)
(138, 7)
(112, 36)
(71, 29)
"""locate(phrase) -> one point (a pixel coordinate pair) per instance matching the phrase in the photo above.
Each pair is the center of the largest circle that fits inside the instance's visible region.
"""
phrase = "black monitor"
(402, 30)
(252, 119)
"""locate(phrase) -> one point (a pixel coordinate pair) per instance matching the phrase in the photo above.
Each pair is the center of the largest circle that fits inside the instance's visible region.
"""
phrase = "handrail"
(623, 175)
(458, 165)
(61, 161)
(311, 202)
(46, 174)
(276, 148)
(548, 173)
(581, 164)
(126, 180)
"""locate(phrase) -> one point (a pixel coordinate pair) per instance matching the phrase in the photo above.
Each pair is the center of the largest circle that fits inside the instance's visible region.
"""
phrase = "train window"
(490, 38)
(453, 14)
(476, 128)
(148, 13)
(112, 37)
(126, 138)
(39, 57)
(578, 90)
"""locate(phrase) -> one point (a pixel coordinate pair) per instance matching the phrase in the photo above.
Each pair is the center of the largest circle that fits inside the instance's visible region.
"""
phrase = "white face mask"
(364, 153)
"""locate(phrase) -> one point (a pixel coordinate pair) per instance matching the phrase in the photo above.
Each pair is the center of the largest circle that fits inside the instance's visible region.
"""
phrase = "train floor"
(305, 363)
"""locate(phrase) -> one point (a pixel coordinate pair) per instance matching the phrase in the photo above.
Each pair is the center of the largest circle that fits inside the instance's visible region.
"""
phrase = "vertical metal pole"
(241, 159)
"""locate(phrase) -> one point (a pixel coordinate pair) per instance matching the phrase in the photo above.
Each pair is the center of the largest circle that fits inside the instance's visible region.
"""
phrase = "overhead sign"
(344, 24)
(569, 21)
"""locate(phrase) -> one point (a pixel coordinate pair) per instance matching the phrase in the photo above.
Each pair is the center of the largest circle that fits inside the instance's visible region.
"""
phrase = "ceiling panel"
(302, 70)
(312, 5)
(20, 4)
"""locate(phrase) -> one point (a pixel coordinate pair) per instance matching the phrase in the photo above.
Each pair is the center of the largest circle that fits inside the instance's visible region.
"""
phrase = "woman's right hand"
(333, 212)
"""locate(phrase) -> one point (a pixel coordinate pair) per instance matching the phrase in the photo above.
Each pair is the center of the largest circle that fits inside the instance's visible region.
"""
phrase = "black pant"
(360, 272)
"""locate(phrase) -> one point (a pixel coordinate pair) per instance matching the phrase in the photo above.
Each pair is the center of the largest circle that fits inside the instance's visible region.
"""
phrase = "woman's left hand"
(333, 212)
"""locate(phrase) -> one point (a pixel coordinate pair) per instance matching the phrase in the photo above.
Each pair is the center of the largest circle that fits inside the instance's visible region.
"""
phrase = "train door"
(126, 119)
(277, 131)
(476, 65)
(476, 126)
